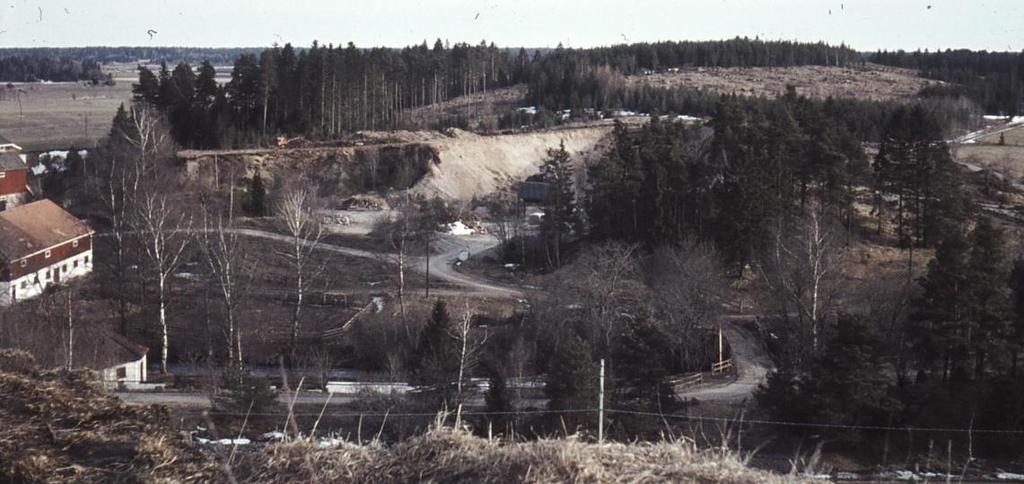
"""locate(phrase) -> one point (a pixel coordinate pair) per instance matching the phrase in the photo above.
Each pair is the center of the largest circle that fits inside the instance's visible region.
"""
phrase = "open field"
(1007, 160)
(871, 82)
(59, 115)
(1012, 137)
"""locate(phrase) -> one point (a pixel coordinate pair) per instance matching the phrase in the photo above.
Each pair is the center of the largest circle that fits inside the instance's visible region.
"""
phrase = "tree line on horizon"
(322, 91)
(994, 80)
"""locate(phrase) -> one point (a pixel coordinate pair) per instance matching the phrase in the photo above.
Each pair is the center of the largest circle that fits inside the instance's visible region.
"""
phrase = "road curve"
(750, 358)
(442, 265)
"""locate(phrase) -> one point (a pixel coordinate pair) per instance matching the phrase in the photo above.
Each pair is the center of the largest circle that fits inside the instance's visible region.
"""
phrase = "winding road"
(750, 359)
(749, 355)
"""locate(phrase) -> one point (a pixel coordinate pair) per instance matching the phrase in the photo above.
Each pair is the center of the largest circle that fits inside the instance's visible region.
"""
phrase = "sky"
(865, 25)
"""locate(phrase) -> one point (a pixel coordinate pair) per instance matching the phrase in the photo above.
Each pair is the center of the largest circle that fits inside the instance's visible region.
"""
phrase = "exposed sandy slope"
(473, 165)
(871, 82)
(456, 165)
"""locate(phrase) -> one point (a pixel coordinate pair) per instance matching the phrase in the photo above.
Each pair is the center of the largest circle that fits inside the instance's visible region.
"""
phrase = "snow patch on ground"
(459, 228)
(274, 436)
(1010, 476)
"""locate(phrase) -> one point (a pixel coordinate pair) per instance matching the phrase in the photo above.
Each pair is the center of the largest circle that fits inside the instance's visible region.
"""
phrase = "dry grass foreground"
(61, 426)
(871, 82)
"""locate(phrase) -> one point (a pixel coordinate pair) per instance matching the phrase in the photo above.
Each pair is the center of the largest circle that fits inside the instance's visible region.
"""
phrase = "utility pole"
(721, 346)
(600, 406)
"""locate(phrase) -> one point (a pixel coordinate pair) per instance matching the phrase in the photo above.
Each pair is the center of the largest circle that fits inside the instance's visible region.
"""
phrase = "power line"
(645, 414)
(818, 425)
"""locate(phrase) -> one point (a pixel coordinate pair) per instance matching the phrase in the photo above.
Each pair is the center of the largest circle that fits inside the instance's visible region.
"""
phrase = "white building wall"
(134, 374)
(33, 284)
(14, 199)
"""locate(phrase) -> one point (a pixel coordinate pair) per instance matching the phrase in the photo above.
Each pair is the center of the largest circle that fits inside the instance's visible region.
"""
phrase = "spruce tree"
(436, 363)
(560, 215)
(571, 381)
(257, 196)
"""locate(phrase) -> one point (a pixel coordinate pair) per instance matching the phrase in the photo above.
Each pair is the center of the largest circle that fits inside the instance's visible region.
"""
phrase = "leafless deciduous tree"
(70, 291)
(605, 283)
(688, 284)
(226, 258)
(469, 344)
(166, 230)
(506, 212)
(398, 230)
(123, 164)
(297, 210)
(801, 270)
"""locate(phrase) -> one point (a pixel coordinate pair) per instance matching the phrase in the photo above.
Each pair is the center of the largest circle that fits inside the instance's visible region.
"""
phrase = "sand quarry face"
(455, 165)
(473, 165)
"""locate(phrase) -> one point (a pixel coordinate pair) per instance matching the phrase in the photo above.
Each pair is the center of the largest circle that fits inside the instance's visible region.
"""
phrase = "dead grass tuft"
(449, 455)
(61, 426)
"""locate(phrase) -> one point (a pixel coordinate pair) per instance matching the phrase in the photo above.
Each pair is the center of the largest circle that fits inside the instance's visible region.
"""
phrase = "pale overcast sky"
(862, 24)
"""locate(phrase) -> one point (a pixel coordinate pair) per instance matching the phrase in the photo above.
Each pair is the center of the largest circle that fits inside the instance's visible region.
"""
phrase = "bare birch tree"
(297, 209)
(165, 231)
(226, 258)
(469, 345)
(398, 231)
(801, 271)
(136, 141)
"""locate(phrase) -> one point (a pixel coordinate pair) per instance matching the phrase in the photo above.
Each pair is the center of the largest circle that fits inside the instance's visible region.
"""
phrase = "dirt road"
(442, 265)
(751, 361)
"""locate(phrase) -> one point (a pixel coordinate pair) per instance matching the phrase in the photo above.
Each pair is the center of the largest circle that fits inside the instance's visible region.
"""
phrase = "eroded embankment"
(456, 165)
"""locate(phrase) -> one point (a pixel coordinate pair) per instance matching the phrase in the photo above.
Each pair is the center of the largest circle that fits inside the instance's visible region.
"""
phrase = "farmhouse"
(40, 245)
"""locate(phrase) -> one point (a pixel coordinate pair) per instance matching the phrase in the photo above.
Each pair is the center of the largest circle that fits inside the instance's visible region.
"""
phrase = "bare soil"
(456, 165)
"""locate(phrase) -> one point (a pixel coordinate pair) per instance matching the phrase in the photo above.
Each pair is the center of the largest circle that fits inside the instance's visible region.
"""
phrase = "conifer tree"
(571, 382)
(257, 196)
(938, 326)
(437, 355)
(1016, 284)
(560, 216)
(987, 302)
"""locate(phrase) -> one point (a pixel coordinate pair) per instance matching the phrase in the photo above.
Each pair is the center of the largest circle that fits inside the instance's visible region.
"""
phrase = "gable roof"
(11, 161)
(7, 142)
(99, 348)
(30, 228)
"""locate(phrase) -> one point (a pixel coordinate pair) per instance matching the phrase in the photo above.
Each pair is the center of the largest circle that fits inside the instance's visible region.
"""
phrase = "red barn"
(13, 176)
(40, 245)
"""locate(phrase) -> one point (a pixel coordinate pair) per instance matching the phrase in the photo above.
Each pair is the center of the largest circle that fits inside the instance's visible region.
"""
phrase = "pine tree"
(987, 302)
(938, 325)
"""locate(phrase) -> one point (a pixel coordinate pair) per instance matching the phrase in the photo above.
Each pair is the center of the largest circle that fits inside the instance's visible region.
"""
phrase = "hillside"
(456, 165)
(871, 82)
(62, 426)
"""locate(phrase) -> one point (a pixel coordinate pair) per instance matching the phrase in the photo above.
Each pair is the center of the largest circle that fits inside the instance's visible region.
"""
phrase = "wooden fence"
(721, 366)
